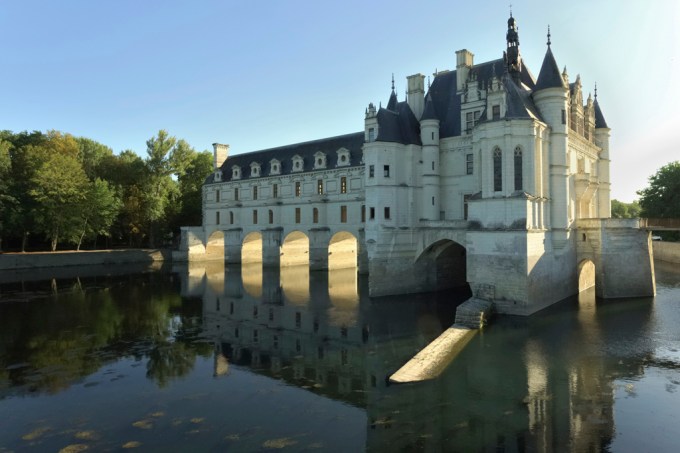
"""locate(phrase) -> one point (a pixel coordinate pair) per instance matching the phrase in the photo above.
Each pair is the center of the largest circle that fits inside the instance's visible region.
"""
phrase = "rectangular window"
(371, 134)
(298, 319)
(298, 189)
(217, 196)
(564, 117)
(363, 213)
(271, 216)
(231, 218)
(235, 193)
(371, 213)
(275, 191)
(297, 215)
(315, 215)
(217, 217)
(343, 214)
(466, 199)
(343, 184)
(254, 192)
(496, 112)
(432, 201)
(469, 122)
(387, 213)
(468, 164)
(319, 186)
(386, 171)
(254, 216)
(371, 171)
(433, 165)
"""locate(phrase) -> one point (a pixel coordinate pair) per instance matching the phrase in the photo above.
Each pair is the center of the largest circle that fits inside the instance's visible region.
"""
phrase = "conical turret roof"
(550, 76)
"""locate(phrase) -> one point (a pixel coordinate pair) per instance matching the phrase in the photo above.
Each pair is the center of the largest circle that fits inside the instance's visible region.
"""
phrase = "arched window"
(497, 170)
(518, 168)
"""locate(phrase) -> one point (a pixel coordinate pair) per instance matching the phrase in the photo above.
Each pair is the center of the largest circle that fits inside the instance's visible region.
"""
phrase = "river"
(213, 359)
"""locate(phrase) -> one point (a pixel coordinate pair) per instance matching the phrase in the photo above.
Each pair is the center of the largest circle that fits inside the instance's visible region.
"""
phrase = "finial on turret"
(392, 82)
(548, 35)
(428, 82)
(510, 9)
(596, 91)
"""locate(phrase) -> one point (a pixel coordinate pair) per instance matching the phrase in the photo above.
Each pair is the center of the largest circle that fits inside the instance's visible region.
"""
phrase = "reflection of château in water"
(555, 390)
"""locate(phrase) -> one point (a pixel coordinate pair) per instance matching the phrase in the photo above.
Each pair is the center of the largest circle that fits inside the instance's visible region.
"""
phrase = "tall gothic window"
(497, 170)
(518, 168)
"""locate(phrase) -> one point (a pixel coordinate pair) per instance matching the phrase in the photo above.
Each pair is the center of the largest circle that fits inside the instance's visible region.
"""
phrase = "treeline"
(61, 191)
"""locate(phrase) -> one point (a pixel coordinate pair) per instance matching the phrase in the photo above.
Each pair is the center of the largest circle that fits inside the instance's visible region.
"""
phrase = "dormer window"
(274, 167)
(319, 160)
(235, 172)
(343, 157)
(218, 175)
(254, 170)
(298, 163)
(496, 112)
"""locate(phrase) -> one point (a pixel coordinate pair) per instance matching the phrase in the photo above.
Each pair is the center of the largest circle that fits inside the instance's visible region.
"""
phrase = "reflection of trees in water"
(46, 345)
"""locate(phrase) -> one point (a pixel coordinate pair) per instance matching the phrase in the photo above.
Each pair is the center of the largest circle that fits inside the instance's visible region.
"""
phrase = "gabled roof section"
(284, 154)
(599, 117)
(519, 104)
(398, 125)
(550, 76)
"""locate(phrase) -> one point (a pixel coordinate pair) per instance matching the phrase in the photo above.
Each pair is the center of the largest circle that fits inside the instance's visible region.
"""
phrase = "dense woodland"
(61, 192)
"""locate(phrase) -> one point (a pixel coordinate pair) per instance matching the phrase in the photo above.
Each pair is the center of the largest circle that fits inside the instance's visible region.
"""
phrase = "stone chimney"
(220, 153)
(464, 62)
(416, 94)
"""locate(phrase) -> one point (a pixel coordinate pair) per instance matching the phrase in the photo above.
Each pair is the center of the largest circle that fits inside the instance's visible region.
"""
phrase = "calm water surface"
(208, 359)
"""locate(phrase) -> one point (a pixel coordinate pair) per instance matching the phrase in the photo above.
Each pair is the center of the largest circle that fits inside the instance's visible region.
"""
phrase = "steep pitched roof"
(599, 117)
(550, 76)
(398, 125)
(353, 142)
(519, 103)
(429, 113)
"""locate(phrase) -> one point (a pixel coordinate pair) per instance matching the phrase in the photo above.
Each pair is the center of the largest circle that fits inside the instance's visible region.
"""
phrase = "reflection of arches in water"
(295, 284)
(214, 249)
(344, 297)
(444, 264)
(295, 249)
(251, 275)
(586, 275)
(342, 251)
(214, 274)
(251, 251)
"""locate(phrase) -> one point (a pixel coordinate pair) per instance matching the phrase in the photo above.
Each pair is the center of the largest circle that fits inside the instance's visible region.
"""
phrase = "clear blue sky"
(256, 74)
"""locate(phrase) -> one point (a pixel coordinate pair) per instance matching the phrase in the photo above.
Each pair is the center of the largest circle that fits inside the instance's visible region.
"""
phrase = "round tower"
(429, 136)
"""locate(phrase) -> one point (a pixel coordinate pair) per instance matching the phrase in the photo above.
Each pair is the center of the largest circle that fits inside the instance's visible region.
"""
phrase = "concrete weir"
(435, 357)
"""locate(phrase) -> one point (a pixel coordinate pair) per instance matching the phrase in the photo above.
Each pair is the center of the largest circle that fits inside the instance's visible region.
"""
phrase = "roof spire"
(548, 35)
(428, 83)
(596, 91)
(392, 82)
(510, 9)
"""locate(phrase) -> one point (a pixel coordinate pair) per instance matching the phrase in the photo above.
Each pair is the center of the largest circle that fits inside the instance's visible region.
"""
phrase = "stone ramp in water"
(435, 357)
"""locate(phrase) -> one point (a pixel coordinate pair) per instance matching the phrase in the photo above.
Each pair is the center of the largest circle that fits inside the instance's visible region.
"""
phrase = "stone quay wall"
(11, 261)
(667, 251)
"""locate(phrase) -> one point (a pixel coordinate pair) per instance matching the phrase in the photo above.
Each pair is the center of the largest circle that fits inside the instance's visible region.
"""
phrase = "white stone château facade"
(484, 176)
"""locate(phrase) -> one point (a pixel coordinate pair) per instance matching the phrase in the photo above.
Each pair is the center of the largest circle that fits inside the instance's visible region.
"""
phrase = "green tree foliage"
(92, 154)
(621, 210)
(191, 190)
(662, 197)
(99, 210)
(7, 200)
(59, 187)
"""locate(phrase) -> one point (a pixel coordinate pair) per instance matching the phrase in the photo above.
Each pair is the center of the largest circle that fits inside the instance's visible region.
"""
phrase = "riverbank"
(37, 260)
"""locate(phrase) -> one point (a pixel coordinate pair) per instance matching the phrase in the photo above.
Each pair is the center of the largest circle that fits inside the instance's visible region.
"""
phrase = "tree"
(166, 157)
(91, 154)
(621, 210)
(661, 199)
(7, 200)
(59, 188)
(191, 190)
(100, 208)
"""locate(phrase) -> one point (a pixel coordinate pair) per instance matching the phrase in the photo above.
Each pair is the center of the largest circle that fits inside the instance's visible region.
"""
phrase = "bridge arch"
(251, 251)
(214, 246)
(586, 275)
(443, 265)
(343, 250)
(295, 249)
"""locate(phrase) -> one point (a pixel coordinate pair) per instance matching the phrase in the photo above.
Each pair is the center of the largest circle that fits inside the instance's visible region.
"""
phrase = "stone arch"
(295, 249)
(251, 251)
(586, 275)
(214, 248)
(343, 250)
(443, 265)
